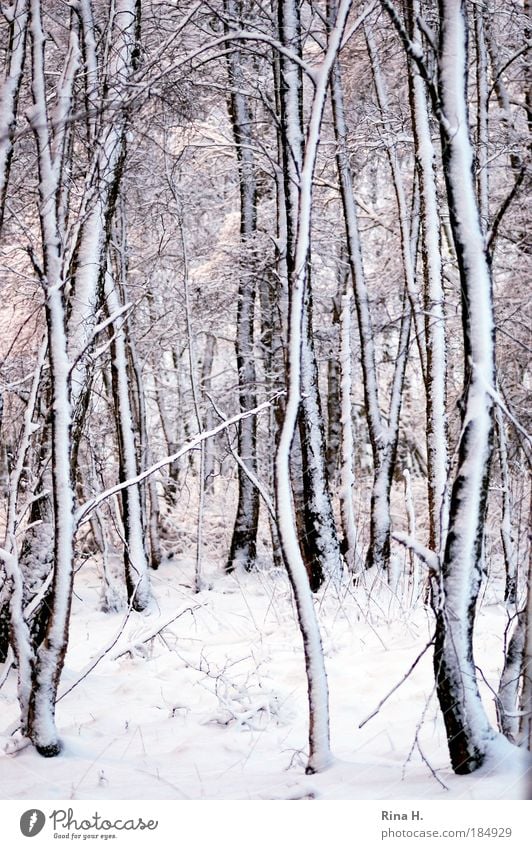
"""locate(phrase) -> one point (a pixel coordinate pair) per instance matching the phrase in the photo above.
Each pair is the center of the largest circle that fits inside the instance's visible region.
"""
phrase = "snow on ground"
(214, 706)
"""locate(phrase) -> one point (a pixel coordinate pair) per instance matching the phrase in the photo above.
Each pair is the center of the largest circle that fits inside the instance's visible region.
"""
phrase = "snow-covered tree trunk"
(18, 630)
(525, 702)
(135, 561)
(509, 684)
(334, 426)
(150, 498)
(244, 540)
(468, 729)
(319, 541)
(17, 15)
(384, 459)
(51, 653)
(407, 227)
(319, 751)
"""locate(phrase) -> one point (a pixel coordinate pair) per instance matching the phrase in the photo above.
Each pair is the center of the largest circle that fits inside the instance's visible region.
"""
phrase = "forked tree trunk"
(383, 435)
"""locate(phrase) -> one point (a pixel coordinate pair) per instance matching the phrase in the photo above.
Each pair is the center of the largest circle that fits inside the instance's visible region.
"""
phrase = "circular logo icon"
(32, 822)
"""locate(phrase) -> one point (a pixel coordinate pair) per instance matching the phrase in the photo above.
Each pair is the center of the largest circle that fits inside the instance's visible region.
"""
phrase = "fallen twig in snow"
(416, 744)
(152, 633)
(396, 687)
(425, 761)
(103, 652)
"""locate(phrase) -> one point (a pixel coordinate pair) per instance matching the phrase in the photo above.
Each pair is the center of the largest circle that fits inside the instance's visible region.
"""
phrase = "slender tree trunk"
(51, 653)
(334, 426)
(347, 471)
(319, 750)
(208, 418)
(507, 536)
(437, 437)
(525, 702)
(468, 729)
(9, 92)
(17, 630)
(135, 562)
(243, 548)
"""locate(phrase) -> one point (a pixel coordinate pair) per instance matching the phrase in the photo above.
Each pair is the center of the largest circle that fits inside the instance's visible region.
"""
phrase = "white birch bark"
(88, 259)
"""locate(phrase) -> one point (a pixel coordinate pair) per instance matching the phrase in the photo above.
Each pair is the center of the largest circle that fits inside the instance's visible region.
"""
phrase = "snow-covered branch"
(84, 510)
(428, 557)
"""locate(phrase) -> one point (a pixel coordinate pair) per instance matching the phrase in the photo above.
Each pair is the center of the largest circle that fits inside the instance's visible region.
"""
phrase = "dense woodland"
(267, 262)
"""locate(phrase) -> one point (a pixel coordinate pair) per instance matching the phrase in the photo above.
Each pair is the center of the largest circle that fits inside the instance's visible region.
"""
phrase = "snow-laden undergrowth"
(202, 696)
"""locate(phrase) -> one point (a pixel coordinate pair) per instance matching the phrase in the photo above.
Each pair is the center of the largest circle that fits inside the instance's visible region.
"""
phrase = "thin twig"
(396, 687)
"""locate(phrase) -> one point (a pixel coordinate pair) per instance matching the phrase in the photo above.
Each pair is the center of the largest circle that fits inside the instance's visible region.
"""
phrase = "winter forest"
(264, 399)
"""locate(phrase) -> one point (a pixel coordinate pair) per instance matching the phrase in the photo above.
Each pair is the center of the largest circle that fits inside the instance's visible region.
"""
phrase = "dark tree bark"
(244, 541)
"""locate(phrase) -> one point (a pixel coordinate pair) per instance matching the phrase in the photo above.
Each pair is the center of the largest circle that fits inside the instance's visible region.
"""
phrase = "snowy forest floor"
(214, 706)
